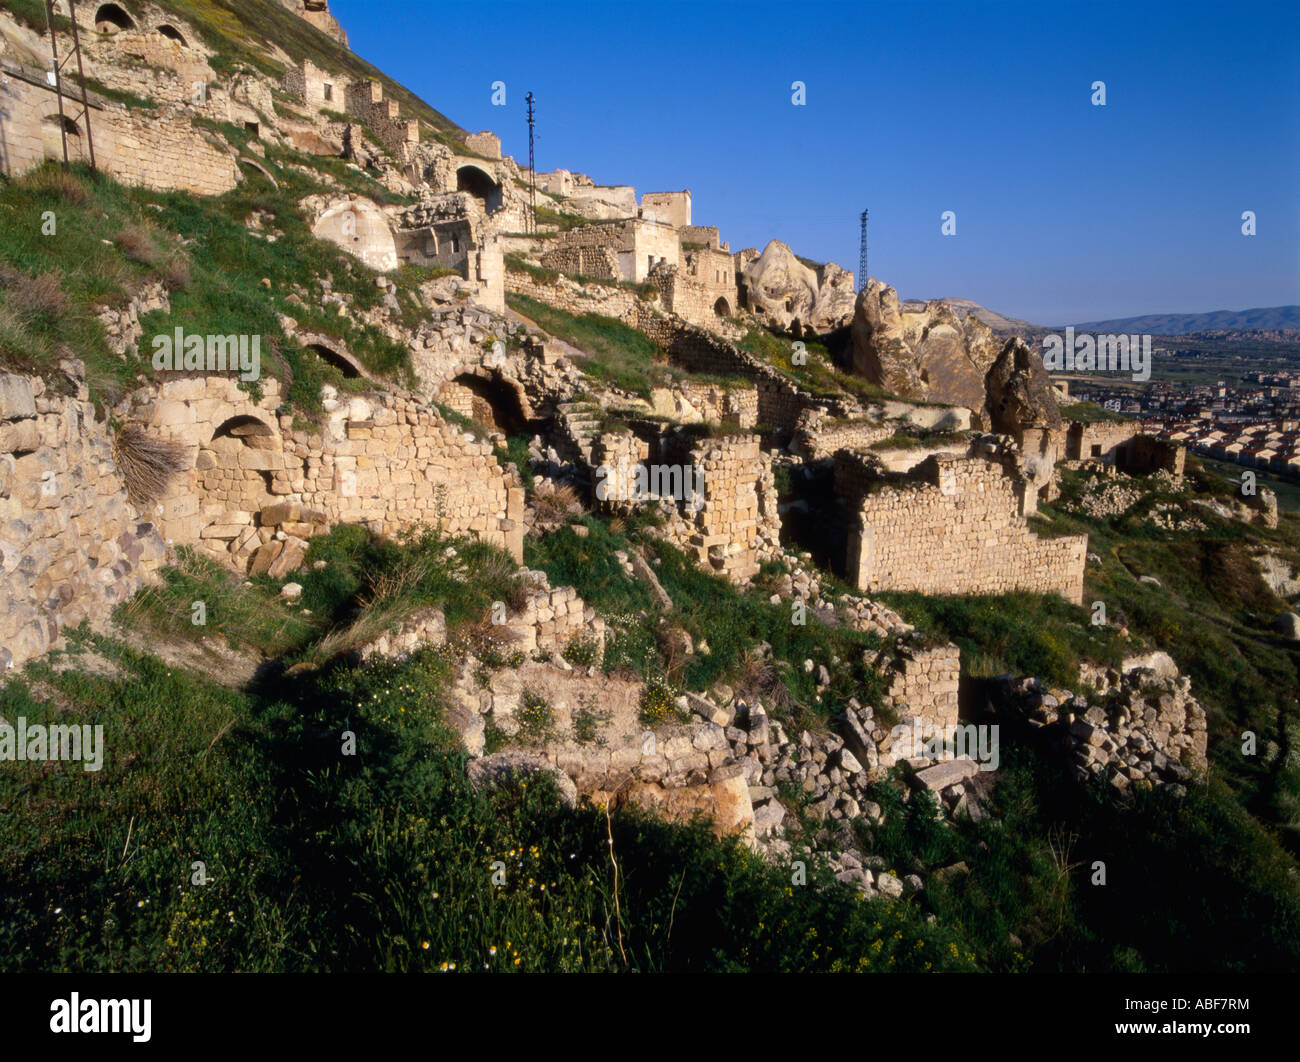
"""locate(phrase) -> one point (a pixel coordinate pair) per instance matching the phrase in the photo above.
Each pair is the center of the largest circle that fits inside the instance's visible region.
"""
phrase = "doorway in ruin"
(238, 462)
(813, 517)
(53, 129)
(173, 34)
(722, 308)
(334, 356)
(481, 186)
(492, 402)
(110, 18)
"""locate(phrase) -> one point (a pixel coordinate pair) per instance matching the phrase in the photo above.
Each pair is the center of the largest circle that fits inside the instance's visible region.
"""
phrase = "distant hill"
(1264, 319)
(1001, 324)
(1265, 324)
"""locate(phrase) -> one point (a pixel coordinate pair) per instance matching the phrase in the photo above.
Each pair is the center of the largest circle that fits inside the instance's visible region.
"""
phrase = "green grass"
(817, 374)
(613, 352)
(1021, 633)
(1091, 413)
(713, 611)
(224, 280)
(384, 860)
(1213, 613)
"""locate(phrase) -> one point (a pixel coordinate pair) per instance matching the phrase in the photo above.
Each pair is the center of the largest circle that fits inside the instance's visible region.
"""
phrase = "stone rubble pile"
(1141, 728)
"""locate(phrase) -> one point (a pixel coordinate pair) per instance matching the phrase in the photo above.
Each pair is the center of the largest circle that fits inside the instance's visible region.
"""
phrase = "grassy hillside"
(224, 277)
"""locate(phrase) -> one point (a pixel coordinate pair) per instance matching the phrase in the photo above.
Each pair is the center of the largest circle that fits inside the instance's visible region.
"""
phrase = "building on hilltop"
(317, 12)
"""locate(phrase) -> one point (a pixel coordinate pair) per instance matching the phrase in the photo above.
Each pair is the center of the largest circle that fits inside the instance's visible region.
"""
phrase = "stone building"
(256, 489)
(672, 208)
(317, 12)
(1124, 445)
(954, 525)
(318, 89)
(624, 250)
(159, 149)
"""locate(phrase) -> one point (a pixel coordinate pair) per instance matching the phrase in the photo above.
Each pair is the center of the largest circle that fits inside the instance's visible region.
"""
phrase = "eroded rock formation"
(793, 296)
(921, 353)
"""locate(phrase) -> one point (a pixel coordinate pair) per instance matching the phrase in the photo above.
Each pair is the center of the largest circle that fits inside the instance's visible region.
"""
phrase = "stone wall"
(709, 236)
(673, 208)
(574, 298)
(486, 144)
(72, 545)
(921, 683)
(691, 401)
(382, 460)
(780, 402)
(703, 290)
(639, 245)
(1124, 445)
(951, 527)
(317, 88)
(317, 12)
(155, 149)
(598, 262)
(365, 100)
(552, 618)
(737, 525)
(816, 437)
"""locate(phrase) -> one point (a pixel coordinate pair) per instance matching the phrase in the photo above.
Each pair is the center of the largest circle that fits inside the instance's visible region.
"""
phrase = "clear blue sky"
(1065, 211)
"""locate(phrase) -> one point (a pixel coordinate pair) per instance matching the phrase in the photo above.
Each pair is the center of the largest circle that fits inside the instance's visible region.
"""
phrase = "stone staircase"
(579, 424)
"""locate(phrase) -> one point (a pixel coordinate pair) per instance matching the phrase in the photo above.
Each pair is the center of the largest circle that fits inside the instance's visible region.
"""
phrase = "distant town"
(1249, 417)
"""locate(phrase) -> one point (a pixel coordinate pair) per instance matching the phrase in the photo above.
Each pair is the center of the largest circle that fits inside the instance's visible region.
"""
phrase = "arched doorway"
(481, 186)
(110, 18)
(494, 403)
(722, 308)
(238, 465)
(249, 431)
(173, 34)
(344, 363)
(54, 128)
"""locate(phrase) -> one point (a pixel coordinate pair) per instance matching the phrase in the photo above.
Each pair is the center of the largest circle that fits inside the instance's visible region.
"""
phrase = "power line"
(862, 254)
(532, 166)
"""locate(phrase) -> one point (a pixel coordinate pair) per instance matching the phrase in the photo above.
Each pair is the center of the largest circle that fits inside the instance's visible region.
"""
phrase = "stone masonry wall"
(815, 437)
(574, 298)
(383, 460)
(599, 262)
(156, 149)
(780, 402)
(953, 528)
(72, 545)
(737, 525)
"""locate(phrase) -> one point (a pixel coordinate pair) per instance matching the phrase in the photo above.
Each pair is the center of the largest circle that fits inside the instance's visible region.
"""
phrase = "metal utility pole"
(532, 166)
(862, 255)
(58, 81)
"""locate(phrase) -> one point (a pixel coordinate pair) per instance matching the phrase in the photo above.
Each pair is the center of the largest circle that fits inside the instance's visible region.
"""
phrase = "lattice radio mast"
(58, 81)
(862, 255)
(532, 166)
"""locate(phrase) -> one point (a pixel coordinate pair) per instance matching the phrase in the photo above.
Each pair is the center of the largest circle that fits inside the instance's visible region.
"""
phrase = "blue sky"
(1065, 211)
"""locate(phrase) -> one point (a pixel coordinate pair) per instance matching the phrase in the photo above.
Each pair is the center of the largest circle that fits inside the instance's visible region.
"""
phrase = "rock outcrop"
(1018, 392)
(792, 296)
(926, 352)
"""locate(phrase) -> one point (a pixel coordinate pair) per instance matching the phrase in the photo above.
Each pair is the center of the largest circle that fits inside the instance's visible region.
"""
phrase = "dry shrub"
(175, 271)
(400, 581)
(759, 680)
(555, 502)
(53, 181)
(147, 464)
(33, 298)
(137, 242)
